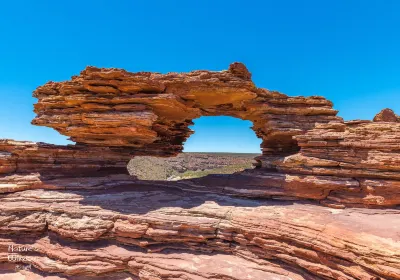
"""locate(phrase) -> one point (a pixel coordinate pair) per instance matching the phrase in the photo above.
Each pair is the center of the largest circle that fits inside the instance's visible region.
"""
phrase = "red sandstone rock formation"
(29, 165)
(386, 115)
(203, 236)
(85, 218)
(151, 112)
(355, 163)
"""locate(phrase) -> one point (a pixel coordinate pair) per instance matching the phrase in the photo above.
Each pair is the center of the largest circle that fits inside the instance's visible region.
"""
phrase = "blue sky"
(345, 50)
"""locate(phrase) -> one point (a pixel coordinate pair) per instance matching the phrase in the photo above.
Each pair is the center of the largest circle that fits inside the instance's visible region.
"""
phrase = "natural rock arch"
(149, 113)
(53, 194)
(113, 115)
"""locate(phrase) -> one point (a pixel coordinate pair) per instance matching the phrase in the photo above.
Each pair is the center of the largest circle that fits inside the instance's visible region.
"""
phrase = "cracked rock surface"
(322, 202)
(159, 233)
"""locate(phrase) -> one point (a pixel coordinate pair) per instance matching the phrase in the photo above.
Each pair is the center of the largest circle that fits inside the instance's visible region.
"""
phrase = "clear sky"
(345, 50)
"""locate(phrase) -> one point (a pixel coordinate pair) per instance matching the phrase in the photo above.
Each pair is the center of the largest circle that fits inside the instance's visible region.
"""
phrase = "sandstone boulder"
(386, 115)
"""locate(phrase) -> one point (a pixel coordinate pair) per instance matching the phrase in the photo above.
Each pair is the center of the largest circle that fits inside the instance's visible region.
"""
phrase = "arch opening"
(219, 145)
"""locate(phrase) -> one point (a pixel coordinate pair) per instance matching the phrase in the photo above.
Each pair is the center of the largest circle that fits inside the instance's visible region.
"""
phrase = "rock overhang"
(152, 111)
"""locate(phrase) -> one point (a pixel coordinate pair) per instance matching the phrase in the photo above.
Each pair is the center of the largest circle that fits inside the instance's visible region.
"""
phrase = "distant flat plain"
(189, 165)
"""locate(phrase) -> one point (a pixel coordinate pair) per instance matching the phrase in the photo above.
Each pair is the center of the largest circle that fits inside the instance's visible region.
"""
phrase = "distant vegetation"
(189, 165)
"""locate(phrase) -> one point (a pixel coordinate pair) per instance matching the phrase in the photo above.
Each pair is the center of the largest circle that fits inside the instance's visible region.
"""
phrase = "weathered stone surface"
(172, 266)
(27, 157)
(300, 176)
(152, 111)
(386, 115)
(29, 165)
(185, 235)
(261, 183)
(366, 153)
(86, 218)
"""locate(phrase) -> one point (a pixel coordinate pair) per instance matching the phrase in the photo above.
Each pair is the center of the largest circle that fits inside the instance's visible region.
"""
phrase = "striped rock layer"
(322, 202)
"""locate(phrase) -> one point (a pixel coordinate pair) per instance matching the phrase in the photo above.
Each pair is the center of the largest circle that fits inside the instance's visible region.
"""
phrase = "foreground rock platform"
(322, 203)
(164, 233)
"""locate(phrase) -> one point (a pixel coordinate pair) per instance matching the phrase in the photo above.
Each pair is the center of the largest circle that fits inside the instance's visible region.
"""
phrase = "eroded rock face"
(86, 218)
(30, 165)
(367, 153)
(151, 112)
(386, 115)
(156, 233)
(26, 157)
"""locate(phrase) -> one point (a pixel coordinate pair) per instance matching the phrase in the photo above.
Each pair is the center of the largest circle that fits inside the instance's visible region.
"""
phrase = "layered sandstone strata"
(366, 153)
(25, 157)
(155, 233)
(308, 152)
(29, 165)
(387, 115)
(151, 112)
(85, 218)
